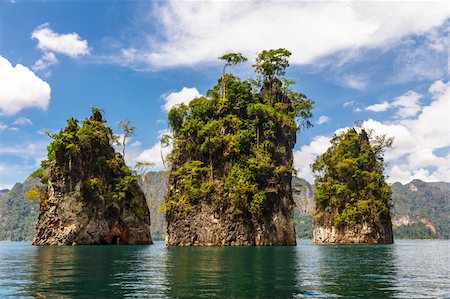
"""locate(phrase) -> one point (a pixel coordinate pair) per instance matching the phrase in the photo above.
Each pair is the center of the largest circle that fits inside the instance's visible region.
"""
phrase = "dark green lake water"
(407, 269)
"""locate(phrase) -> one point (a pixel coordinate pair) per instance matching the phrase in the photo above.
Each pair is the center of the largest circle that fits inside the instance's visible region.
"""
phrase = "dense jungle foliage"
(84, 152)
(350, 187)
(234, 145)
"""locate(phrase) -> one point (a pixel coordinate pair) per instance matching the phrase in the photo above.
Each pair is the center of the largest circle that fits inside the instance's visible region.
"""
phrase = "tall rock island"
(90, 196)
(351, 195)
(231, 163)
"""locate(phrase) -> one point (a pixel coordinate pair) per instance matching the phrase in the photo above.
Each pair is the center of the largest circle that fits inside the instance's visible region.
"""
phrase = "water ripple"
(407, 269)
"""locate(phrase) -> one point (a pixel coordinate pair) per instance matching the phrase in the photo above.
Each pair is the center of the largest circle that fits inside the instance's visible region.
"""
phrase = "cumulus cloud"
(50, 42)
(48, 59)
(379, 107)
(194, 32)
(69, 44)
(408, 105)
(185, 95)
(307, 154)
(421, 141)
(21, 88)
(156, 153)
(323, 119)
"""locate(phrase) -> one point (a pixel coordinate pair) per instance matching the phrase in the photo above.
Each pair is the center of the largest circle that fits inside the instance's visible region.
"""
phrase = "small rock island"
(350, 192)
(89, 195)
(232, 160)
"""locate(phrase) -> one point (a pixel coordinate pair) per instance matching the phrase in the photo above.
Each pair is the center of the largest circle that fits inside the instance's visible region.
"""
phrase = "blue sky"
(385, 63)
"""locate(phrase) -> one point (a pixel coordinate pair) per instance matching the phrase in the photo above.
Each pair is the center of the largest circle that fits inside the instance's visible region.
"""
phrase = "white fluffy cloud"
(421, 143)
(21, 88)
(378, 107)
(307, 154)
(50, 42)
(48, 59)
(156, 153)
(185, 95)
(69, 44)
(194, 32)
(408, 105)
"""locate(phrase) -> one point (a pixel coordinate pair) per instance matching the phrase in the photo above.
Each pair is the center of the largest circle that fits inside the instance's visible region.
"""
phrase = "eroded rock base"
(72, 220)
(360, 233)
(209, 225)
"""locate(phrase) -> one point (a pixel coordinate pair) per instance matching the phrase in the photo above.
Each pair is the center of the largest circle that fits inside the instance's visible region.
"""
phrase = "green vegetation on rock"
(234, 146)
(350, 187)
(85, 151)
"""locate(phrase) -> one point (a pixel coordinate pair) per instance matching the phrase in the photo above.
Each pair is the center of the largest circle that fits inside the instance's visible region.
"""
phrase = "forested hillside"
(18, 215)
(421, 210)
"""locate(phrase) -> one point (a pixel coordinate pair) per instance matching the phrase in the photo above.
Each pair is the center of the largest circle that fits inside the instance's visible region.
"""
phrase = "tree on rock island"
(90, 196)
(350, 192)
(231, 163)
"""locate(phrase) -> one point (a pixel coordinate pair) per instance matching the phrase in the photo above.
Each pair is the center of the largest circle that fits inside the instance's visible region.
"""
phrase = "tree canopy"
(270, 63)
(236, 148)
(350, 186)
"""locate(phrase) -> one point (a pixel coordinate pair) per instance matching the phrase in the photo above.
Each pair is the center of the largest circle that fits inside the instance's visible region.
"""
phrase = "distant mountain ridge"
(18, 215)
(419, 205)
(420, 209)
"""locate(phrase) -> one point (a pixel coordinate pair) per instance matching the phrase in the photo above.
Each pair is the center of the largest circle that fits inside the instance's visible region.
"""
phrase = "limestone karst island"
(351, 196)
(230, 173)
(89, 195)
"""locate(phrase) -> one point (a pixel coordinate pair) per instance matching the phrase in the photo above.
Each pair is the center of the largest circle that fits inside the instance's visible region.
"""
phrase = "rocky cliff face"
(154, 185)
(90, 197)
(210, 224)
(365, 232)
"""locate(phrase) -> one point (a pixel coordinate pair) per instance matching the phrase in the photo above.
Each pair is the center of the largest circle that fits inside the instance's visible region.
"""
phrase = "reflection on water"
(232, 272)
(407, 269)
(90, 270)
(347, 270)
